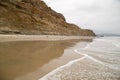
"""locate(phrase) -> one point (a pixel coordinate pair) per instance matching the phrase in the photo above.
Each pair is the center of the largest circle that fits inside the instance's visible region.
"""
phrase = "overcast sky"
(102, 16)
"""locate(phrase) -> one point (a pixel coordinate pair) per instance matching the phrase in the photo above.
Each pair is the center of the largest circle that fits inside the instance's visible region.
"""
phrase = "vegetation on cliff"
(35, 17)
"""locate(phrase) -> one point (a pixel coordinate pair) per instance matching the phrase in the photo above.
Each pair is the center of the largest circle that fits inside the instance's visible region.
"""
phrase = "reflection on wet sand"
(18, 59)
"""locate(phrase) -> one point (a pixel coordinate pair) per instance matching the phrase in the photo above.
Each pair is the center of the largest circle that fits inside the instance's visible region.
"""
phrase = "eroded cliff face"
(35, 17)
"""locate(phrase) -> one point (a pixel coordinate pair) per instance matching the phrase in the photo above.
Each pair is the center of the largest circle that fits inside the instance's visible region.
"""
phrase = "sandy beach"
(31, 57)
(24, 57)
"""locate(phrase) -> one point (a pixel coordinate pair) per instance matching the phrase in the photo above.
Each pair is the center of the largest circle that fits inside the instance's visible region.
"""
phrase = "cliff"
(35, 17)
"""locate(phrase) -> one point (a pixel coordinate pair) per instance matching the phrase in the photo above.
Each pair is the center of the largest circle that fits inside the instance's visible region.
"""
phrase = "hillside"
(35, 17)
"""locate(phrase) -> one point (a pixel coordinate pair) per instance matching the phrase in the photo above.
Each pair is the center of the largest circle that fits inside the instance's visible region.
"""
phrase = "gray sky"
(102, 16)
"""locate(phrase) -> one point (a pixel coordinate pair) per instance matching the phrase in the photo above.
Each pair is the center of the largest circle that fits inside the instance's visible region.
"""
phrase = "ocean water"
(100, 61)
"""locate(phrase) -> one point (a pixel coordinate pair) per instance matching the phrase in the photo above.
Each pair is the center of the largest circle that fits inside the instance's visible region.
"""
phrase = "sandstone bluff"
(35, 17)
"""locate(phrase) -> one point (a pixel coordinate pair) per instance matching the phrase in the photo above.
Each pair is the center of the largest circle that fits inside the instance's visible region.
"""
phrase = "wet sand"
(31, 60)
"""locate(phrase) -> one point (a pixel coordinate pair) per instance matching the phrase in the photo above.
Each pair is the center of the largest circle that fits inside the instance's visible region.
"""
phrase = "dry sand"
(4, 38)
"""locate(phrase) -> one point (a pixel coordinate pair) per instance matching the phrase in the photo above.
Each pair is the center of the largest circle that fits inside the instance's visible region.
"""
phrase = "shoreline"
(7, 38)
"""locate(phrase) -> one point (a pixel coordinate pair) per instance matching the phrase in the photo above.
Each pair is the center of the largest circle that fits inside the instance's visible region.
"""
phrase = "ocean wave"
(104, 46)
